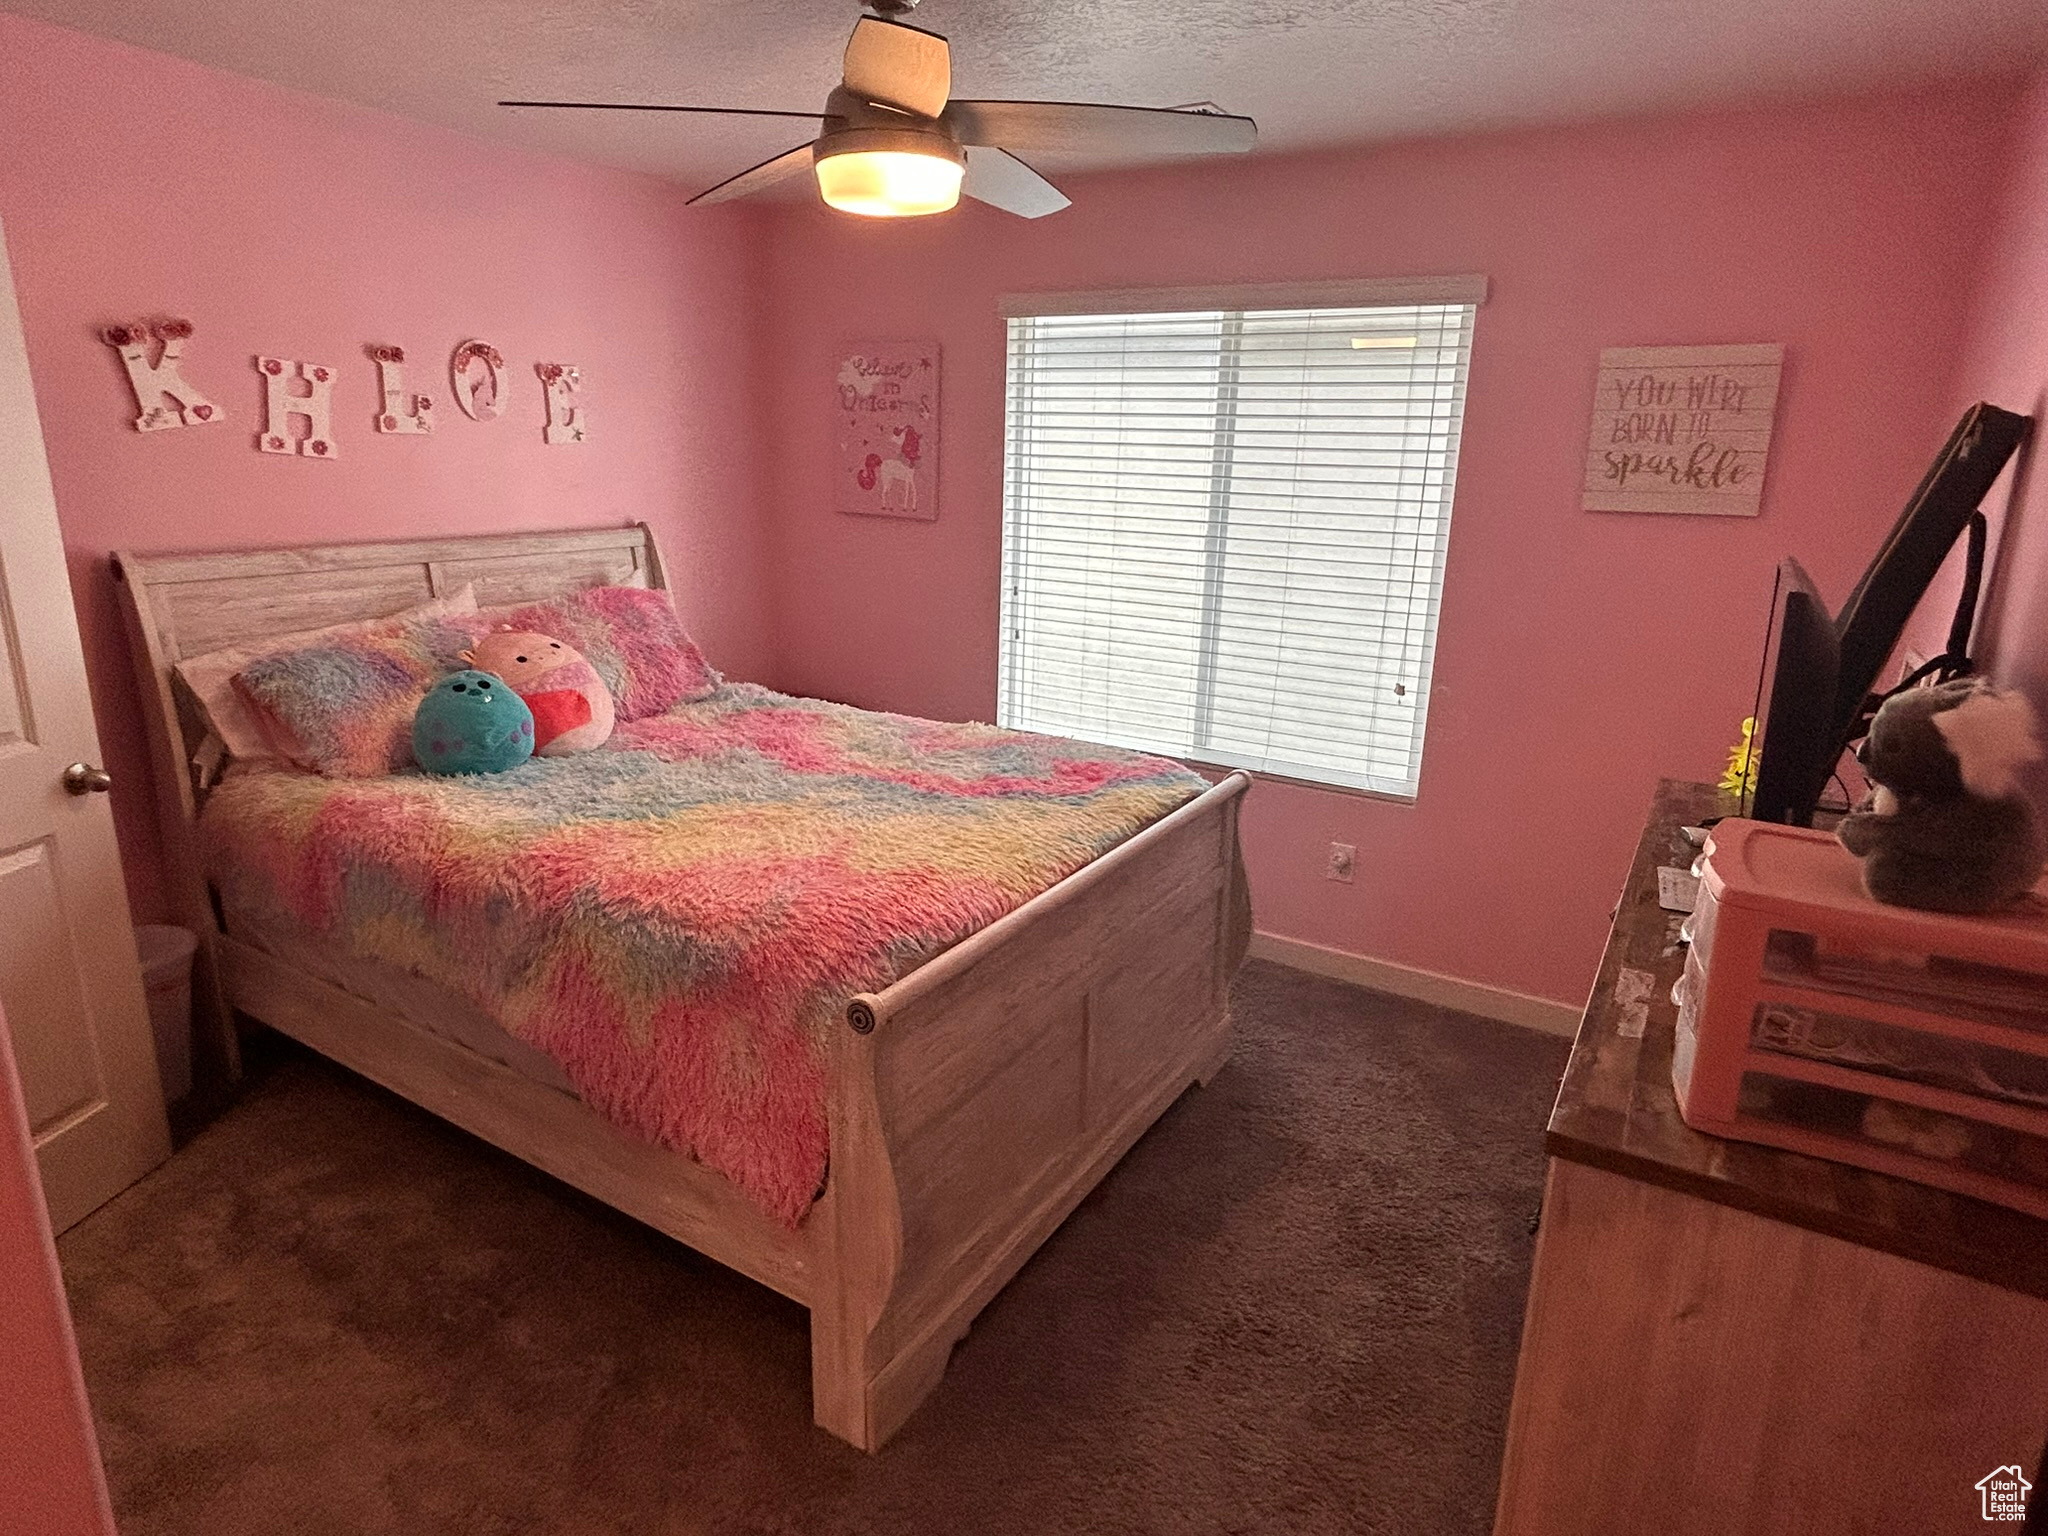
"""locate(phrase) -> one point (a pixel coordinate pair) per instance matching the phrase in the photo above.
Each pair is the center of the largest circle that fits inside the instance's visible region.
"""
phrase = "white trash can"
(167, 979)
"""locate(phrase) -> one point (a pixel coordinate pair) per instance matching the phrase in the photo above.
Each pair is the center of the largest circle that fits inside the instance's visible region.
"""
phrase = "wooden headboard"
(195, 603)
(181, 605)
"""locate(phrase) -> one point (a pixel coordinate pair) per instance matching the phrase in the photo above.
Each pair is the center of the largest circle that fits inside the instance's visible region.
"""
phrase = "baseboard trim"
(1538, 1013)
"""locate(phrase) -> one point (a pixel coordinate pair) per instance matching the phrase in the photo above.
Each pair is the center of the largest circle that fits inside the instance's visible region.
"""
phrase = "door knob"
(84, 779)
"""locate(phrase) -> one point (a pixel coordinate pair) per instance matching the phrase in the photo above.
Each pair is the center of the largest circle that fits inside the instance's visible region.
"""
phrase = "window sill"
(1215, 771)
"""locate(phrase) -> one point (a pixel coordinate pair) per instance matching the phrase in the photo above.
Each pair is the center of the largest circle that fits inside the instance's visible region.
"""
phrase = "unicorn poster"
(888, 404)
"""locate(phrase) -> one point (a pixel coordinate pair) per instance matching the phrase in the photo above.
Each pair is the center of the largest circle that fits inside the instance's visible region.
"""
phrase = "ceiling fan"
(894, 142)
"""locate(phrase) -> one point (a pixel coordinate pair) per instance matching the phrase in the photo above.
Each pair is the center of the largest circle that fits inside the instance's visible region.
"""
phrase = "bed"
(969, 1104)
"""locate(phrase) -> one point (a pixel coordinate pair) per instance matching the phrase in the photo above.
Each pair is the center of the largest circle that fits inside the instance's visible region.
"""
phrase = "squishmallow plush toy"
(1948, 827)
(472, 722)
(572, 708)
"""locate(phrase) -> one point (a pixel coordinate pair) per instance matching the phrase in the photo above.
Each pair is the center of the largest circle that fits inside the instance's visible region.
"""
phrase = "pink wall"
(2007, 362)
(50, 1478)
(1581, 654)
(137, 184)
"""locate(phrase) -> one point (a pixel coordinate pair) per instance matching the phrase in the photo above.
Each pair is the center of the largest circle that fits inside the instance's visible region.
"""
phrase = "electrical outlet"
(1343, 859)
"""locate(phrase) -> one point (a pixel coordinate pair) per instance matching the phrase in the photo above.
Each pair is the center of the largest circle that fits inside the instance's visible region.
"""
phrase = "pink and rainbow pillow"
(635, 641)
(343, 706)
(226, 709)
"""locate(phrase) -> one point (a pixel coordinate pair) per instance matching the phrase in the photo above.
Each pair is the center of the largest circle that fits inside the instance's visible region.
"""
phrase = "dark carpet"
(1292, 1308)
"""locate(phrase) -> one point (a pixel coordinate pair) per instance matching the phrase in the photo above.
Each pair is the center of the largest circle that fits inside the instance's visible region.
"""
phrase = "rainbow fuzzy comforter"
(678, 918)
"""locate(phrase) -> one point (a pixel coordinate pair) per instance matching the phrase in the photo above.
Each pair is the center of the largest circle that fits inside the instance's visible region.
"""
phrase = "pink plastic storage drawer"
(1813, 1018)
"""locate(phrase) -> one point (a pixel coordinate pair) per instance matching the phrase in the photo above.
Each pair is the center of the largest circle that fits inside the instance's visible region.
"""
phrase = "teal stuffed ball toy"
(472, 722)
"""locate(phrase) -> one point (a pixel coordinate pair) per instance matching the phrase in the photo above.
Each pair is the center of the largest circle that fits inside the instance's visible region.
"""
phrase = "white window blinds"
(1224, 531)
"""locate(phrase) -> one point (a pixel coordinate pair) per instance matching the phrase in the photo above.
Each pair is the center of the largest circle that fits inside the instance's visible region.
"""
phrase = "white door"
(69, 978)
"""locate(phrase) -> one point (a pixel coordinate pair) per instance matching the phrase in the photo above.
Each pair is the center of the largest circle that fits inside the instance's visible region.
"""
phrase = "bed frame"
(972, 1104)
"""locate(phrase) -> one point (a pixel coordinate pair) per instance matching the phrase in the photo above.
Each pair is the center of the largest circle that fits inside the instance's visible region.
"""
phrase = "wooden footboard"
(978, 1099)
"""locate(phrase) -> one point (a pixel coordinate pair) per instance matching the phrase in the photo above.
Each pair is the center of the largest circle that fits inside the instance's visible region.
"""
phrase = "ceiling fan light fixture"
(897, 143)
(889, 174)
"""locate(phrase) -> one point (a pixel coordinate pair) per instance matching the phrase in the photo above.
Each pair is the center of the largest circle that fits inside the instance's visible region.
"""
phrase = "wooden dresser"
(1725, 1339)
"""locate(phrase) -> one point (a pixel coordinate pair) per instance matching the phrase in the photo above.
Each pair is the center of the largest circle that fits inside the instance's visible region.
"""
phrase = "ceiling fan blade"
(899, 66)
(1003, 181)
(1086, 128)
(649, 106)
(758, 179)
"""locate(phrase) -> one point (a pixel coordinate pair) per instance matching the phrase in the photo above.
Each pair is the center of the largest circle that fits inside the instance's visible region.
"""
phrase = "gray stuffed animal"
(1947, 827)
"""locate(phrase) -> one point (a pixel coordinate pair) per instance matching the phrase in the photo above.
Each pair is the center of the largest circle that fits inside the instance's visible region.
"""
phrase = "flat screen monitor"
(1948, 495)
(1821, 668)
(1800, 748)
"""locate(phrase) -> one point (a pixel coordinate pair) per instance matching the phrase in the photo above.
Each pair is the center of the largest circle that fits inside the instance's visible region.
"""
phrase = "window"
(1224, 527)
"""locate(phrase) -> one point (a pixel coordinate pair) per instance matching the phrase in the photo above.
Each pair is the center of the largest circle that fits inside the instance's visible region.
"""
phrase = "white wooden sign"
(158, 382)
(402, 411)
(475, 369)
(897, 466)
(1682, 429)
(567, 419)
(281, 402)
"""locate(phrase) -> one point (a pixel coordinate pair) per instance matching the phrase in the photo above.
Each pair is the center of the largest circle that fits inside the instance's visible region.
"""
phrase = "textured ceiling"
(1311, 71)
